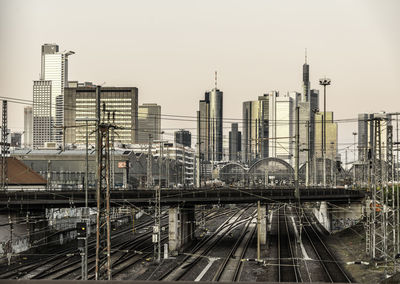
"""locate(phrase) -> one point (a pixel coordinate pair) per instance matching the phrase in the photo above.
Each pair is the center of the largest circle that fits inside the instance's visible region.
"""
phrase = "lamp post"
(354, 160)
(324, 82)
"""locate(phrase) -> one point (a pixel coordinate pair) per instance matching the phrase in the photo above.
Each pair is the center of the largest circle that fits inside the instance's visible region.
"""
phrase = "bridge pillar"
(263, 224)
(345, 216)
(181, 228)
(338, 217)
(322, 213)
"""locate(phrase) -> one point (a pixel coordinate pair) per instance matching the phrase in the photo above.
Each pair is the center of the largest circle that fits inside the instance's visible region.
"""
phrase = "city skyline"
(262, 68)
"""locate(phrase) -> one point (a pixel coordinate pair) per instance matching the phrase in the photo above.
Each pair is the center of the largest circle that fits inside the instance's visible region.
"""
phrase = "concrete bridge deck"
(225, 195)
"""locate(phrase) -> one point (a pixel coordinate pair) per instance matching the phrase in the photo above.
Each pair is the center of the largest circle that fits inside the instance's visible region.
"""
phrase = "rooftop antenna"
(306, 55)
(215, 79)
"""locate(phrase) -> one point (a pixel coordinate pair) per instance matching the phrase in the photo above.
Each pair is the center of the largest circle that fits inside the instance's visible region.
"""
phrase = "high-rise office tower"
(235, 143)
(209, 125)
(43, 120)
(28, 127)
(366, 137)
(331, 135)
(80, 103)
(149, 119)
(308, 103)
(280, 126)
(47, 48)
(255, 129)
(183, 137)
(306, 80)
(54, 69)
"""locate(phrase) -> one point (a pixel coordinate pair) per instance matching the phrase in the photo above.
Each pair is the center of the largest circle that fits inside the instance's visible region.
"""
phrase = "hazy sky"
(170, 49)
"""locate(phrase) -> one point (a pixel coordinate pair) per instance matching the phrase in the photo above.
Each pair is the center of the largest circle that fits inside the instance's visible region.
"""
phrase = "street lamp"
(324, 82)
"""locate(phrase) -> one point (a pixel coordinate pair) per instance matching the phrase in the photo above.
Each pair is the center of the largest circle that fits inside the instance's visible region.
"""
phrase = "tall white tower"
(54, 71)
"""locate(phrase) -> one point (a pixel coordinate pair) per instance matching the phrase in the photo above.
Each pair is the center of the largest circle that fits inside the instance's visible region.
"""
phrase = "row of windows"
(103, 99)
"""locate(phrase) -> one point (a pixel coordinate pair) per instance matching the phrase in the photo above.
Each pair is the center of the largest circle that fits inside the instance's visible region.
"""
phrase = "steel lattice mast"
(4, 146)
(381, 214)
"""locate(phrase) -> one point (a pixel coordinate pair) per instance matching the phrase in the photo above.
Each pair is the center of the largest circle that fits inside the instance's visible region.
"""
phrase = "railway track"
(334, 272)
(287, 260)
(66, 264)
(230, 269)
(200, 251)
(39, 267)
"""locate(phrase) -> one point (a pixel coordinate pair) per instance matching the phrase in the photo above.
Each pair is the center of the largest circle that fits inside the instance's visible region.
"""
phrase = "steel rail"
(226, 260)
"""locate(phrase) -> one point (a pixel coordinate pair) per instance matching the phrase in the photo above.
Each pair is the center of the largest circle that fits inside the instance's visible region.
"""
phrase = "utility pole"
(332, 166)
(324, 82)
(308, 165)
(183, 166)
(381, 217)
(5, 147)
(354, 160)
(167, 165)
(103, 224)
(296, 155)
(397, 188)
(157, 207)
(86, 214)
(149, 164)
(259, 231)
(198, 183)
(112, 153)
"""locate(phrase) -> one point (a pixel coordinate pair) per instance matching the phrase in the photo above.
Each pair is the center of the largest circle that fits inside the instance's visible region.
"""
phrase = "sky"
(170, 50)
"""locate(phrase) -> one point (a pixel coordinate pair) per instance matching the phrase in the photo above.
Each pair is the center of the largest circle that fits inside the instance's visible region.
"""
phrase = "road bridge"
(39, 200)
(181, 203)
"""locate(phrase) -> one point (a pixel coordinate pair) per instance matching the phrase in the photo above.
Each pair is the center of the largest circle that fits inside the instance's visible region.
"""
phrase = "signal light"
(81, 229)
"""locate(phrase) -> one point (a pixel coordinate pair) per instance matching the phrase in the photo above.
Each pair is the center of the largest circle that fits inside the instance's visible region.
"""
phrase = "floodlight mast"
(324, 82)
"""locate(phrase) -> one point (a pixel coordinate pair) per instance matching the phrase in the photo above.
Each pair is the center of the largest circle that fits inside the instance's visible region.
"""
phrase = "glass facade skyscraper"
(209, 123)
(255, 129)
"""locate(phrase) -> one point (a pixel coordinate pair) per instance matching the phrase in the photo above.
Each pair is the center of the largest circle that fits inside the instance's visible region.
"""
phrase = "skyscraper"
(235, 143)
(54, 69)
(280, 126)
(209, 125)
(306, 80)
(364, 135)
(366, 138)
(308, 103)
(43, 120)
(47, 48)
(149, 118)
(28, 127)
(255, 129)
(331, 135)
(183, 137)
(80, 103)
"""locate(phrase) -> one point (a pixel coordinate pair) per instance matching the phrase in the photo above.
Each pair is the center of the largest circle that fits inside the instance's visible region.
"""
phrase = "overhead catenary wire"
(188, 118)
